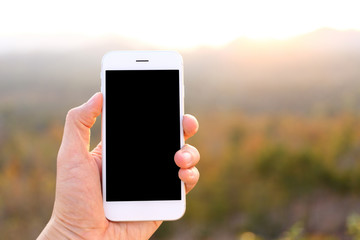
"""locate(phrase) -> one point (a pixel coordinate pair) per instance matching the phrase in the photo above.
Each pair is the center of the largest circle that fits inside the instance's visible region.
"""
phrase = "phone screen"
(142, 135)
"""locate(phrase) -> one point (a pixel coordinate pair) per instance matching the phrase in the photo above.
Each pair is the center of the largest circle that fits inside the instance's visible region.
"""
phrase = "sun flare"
(179, 24)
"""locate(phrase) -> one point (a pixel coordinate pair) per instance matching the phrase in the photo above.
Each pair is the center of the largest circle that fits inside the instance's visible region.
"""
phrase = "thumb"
(79, 120)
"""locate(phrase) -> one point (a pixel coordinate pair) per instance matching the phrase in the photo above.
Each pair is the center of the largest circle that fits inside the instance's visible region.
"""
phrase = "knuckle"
(72, 114)
(193, 150)
(78, 116)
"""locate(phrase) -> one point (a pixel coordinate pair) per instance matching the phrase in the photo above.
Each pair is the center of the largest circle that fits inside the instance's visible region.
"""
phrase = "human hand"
(78, 210)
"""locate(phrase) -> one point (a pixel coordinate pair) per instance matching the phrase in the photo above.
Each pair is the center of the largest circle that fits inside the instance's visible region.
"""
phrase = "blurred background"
(275, 86)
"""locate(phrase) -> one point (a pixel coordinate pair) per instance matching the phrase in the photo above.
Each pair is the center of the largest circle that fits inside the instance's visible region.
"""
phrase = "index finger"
(190, 126)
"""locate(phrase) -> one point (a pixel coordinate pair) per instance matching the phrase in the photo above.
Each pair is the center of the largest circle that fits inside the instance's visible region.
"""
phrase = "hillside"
(279, 120)
(317, 71)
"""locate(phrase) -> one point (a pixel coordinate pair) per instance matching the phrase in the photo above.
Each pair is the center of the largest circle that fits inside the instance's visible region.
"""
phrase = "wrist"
(55, 230)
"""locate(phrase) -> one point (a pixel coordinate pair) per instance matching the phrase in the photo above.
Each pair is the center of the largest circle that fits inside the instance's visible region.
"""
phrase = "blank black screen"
(142, 135)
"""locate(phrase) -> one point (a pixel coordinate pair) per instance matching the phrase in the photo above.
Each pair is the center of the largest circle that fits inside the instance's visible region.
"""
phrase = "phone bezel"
(141, 210)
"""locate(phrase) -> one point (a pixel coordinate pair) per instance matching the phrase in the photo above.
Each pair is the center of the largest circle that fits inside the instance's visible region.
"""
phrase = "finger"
(78, 122)
(190, 126)
(97, 155)
(187, 157)
(190, 177)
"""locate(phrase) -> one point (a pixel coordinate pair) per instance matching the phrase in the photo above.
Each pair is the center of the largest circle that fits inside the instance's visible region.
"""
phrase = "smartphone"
(142, 114)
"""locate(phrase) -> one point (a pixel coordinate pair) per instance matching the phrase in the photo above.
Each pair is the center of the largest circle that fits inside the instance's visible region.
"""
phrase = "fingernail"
(92, 98)
(191, 173)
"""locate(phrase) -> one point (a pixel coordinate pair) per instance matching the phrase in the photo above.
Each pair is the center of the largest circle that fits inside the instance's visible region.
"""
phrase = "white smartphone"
(141, 132)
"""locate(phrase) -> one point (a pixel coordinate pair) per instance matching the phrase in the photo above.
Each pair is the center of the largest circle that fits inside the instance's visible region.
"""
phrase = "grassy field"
(259, 173)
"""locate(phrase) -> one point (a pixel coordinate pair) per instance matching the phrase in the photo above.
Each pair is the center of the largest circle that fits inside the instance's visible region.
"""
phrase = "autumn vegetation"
(279, 137)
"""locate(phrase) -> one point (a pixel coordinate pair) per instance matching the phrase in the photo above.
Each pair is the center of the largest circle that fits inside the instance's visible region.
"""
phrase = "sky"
(174, 24)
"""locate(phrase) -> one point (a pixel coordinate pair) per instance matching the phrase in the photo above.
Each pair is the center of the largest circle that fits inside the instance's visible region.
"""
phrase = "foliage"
(353, 226)
(260, 174)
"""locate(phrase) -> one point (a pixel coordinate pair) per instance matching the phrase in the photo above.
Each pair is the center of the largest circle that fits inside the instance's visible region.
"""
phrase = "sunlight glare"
(179, 24)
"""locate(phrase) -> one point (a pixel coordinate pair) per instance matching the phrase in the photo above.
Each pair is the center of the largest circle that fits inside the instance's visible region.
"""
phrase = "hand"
(78, 210)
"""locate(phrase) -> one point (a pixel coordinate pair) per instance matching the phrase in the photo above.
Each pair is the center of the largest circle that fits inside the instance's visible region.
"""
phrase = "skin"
(78, 209)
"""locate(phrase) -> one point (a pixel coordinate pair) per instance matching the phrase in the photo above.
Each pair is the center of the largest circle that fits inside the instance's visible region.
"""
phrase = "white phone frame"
(142, 210)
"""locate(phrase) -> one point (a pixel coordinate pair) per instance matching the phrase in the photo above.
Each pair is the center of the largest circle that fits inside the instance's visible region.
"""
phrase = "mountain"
(304, 74)
(314, 72)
